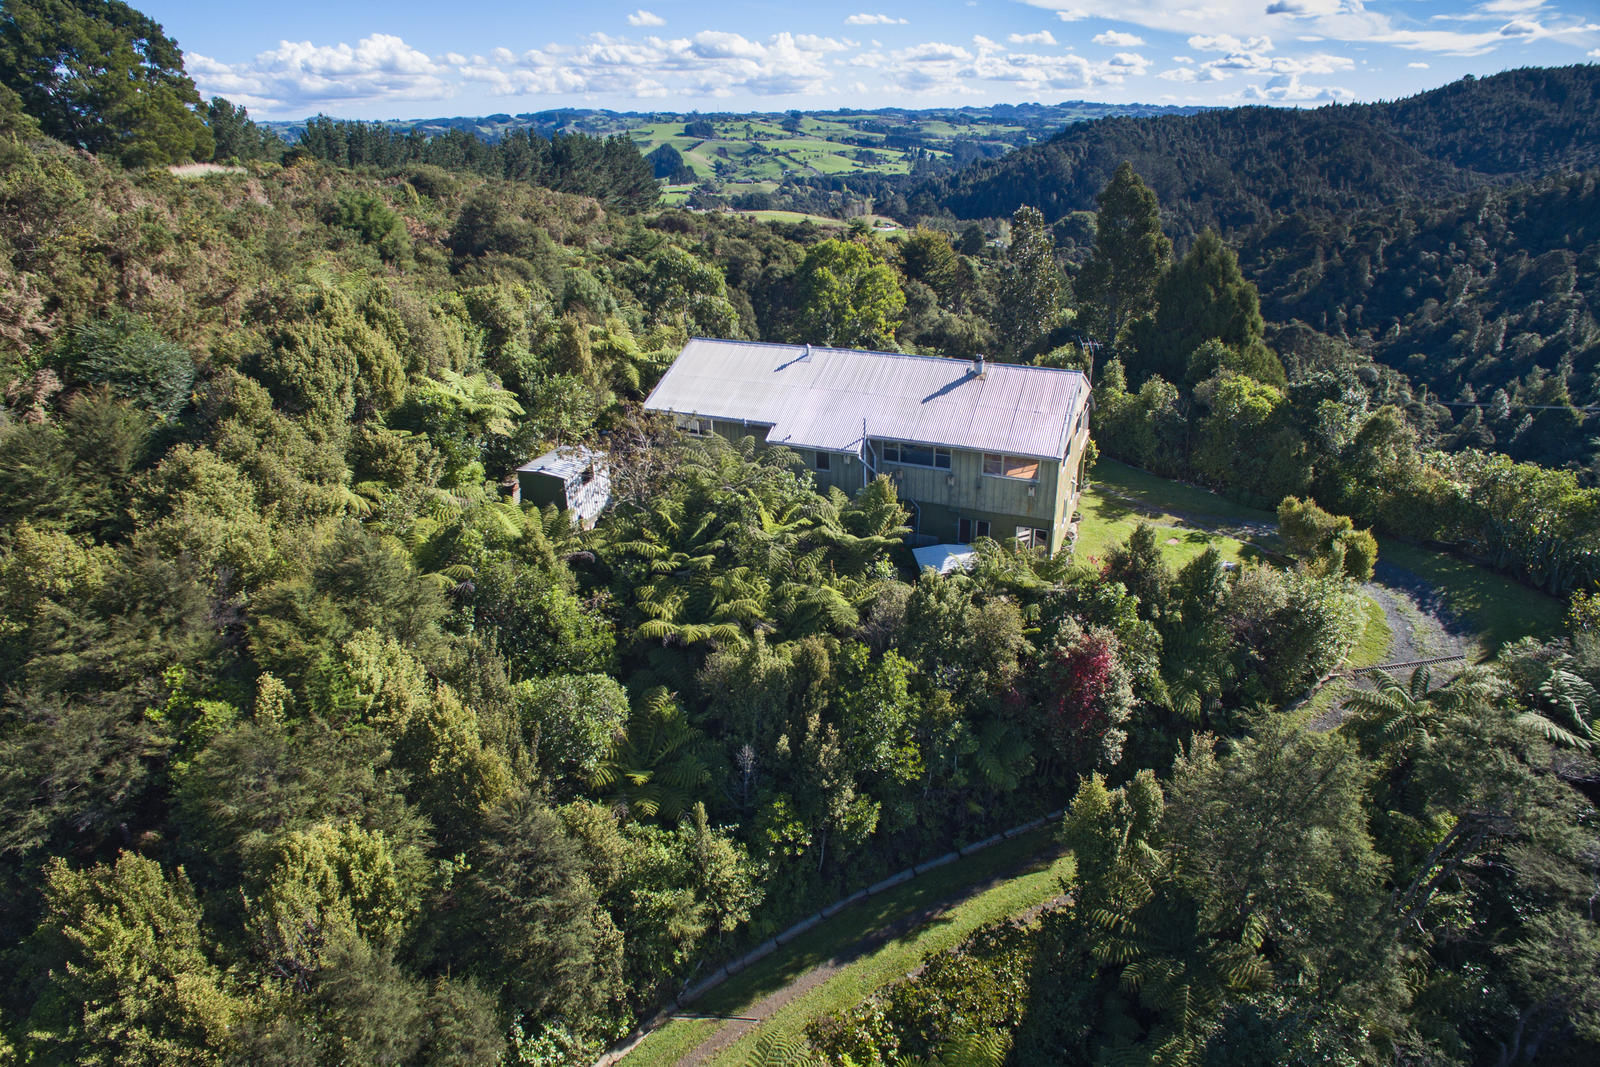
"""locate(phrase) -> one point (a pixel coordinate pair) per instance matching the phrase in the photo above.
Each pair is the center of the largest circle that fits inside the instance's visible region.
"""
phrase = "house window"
(1032, 537)
(1020, 467)
(694, 426)
(822, 461)
(969, 530)
(916, 455)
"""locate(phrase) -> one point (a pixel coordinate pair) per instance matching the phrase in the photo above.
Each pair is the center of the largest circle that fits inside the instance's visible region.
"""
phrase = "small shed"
(574, 479)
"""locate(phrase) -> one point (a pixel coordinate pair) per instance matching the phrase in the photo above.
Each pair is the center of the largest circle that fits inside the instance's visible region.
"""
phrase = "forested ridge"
(1489, 296)
(314, 748)
(1239, 167)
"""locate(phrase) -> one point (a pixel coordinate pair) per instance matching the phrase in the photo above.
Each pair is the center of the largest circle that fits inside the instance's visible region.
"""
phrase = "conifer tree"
(1030, 284)
(1118, 283)
(1205, 297)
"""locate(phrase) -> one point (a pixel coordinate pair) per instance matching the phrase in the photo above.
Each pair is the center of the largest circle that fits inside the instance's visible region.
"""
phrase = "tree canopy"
(99, 75)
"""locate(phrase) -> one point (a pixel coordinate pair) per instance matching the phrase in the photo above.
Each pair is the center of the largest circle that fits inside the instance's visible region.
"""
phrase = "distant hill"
(1242, 167)
(1038, 120)
(787, 159)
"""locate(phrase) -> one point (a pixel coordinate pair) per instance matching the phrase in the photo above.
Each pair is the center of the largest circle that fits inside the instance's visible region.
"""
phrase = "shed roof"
(564, 463)
(831, 398)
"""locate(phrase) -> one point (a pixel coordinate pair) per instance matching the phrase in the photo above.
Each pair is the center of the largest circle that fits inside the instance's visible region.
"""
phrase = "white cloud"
(1417, 66)
(1305, 9)
(1071, 14)
(1349, 21)
(811, 42)
(1594, 53)
(946, 69)
(1289, 89)
(299, 74)
(1249, 56)
(300, 78)
(873, 20)
(1224, 42)
(1192, 75)
(1042, 37)
(1114, 39)
(646, 18)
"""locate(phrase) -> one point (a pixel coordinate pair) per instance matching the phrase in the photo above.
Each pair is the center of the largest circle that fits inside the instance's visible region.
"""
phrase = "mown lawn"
(1119, 497)
(1038, 883)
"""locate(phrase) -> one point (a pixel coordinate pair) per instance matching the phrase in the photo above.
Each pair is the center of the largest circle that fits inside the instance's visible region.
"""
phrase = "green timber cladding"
(974, 448)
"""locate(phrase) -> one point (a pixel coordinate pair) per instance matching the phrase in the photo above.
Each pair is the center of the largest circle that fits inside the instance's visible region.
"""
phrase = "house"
(574, 479)
(976, 449)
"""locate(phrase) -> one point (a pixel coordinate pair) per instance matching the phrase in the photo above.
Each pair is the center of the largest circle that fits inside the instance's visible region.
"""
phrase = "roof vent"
(979, 365)
(805, 357)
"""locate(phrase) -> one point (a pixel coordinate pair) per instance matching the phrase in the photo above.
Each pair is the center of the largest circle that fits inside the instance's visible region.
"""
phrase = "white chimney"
(978, 365)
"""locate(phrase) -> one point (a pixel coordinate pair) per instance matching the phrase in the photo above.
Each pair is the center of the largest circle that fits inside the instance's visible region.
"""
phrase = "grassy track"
(1496, 607)
(1373, 645)
(892, 962)
(839, 935)
(1370, 650)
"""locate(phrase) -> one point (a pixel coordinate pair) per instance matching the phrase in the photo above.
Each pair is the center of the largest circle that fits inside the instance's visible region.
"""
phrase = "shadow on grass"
(896, 916)
(1470, 600)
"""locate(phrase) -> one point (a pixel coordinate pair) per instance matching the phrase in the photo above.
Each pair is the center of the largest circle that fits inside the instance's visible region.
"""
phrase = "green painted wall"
(964, 491)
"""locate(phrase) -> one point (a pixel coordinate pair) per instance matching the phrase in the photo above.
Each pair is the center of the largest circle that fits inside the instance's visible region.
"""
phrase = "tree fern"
(657, 768)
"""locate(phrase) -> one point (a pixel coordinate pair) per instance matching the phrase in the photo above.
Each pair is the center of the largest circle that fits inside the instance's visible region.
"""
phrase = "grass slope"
(1496, 607)
(992, 900)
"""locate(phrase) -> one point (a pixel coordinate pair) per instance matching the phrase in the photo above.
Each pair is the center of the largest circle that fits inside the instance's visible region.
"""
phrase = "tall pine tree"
(1030, 284)
(1204, 297)
(1118, 284)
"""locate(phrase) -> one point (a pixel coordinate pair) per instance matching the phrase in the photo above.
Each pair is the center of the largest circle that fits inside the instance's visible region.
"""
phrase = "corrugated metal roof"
(564, 463)
(830, 398)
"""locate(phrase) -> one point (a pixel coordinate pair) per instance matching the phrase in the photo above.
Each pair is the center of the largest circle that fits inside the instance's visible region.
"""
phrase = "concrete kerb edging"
(798, 928)
(979, 846)
(844, 902)
(769, 946)
(890, 882)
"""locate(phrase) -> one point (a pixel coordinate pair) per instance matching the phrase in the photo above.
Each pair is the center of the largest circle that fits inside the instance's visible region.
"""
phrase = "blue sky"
(292, 58)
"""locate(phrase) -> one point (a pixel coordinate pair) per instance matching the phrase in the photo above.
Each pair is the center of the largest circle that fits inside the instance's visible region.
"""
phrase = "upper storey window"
(1011, 467)
(916, 455)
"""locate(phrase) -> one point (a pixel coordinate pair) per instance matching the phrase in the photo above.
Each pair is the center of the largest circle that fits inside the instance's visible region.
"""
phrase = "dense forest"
(1234, 168)
(314, 748)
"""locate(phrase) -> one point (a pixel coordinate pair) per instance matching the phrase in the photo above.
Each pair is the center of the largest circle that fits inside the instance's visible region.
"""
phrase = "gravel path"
(1422, 628)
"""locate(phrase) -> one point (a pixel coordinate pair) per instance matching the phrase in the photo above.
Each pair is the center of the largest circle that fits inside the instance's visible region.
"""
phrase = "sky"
(289, 59)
